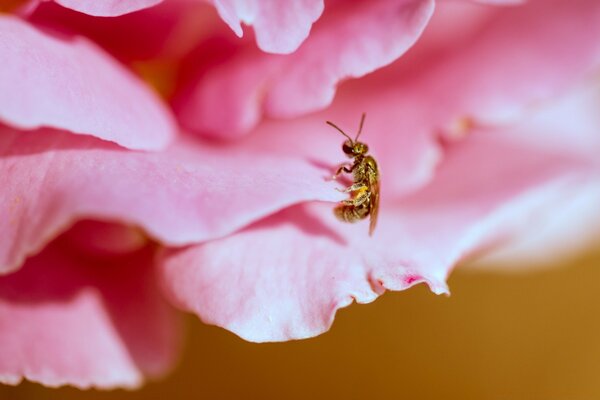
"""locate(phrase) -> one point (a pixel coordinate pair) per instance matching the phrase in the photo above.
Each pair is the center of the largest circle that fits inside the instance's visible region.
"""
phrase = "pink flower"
(115, 206)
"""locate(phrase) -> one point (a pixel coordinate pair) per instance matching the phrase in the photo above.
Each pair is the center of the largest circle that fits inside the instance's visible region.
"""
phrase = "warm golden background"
(499, 336)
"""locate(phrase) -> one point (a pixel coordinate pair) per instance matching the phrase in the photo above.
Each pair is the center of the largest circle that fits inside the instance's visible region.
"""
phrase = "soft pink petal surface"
(569, 124)
(284, 277)
(280, 26)
(69, 83)
(500, 2)
(291, 271)
(105, 239)
(411, 158)
(349, 41)
(518, 60)
(240, 92)
(374, 34)
(409, 105)
(571, 228)
(107, 8)
(513, 44)
(69, 319)
(189, 192)
(232, 281)
(152, 35)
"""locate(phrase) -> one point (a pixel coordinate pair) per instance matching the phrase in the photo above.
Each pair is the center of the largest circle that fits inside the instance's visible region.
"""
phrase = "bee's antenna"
(362, 121)
(338, 128)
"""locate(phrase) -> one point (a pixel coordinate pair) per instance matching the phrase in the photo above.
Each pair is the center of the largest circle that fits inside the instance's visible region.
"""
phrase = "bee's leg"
(342, 168)
(355, 187)
(362, 196)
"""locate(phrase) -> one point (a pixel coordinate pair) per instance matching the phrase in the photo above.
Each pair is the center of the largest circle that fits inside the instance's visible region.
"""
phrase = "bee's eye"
(347, 147)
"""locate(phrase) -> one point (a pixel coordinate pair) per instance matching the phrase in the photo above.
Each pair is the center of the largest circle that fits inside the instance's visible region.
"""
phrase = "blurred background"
(514, 336)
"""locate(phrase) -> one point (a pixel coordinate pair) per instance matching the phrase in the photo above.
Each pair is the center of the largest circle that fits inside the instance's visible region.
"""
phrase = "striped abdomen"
(349, 213)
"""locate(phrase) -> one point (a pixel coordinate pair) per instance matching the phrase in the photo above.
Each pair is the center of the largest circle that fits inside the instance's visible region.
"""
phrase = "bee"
(364, 191)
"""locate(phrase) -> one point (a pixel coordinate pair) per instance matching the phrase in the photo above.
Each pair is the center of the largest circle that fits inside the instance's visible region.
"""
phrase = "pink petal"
(572, 228)
(240, 92)
(375, 34)
(284, 277)
(70, 84)
(569, 124)
(105, 239)
(349, 41)
(148, 36)
(451, 94)
(107, 8)
(500, 2)
(280, 26)
(523, 56)
(69, 319)
(189, 192)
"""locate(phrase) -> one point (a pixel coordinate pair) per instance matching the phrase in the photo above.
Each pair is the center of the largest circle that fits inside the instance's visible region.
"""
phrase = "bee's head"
(353, 149)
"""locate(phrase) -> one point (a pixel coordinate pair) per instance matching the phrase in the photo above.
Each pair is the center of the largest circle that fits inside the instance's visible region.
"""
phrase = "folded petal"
(151, 35)
(107, 8)
(66, 319)
(105, 239)
(280, 26)
(521, 57)
(189, 192)
(571, 228)
(70, 84)
(474, 77)
(351, 40)
(240, 91)
(284, 277)
(374, 34)
(499, 2)
(486, 182)
(569, 124)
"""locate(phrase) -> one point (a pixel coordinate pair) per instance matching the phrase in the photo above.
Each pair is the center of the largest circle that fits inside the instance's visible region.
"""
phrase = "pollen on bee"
(360, 191)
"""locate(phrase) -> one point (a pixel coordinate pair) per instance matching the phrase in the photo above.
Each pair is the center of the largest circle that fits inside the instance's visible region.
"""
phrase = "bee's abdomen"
(350, 213)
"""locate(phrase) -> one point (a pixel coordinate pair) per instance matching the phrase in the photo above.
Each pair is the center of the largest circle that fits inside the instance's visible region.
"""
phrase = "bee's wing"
(374, 184)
